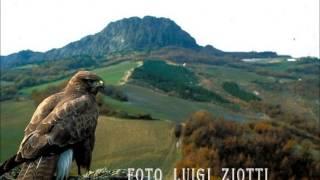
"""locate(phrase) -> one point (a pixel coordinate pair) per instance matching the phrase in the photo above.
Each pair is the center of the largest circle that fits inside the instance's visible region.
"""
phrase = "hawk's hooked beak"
(100, 84)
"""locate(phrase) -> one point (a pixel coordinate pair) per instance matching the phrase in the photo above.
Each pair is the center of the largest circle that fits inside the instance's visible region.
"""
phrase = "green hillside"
(110, 74)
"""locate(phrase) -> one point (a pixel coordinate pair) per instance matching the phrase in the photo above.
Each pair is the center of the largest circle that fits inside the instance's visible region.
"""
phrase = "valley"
(145, 99)
(160, 79)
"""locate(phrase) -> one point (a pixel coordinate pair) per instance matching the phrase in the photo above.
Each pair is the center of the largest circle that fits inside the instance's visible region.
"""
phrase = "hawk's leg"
(79, 171)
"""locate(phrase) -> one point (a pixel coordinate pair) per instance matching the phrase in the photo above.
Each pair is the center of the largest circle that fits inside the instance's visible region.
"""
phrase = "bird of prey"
(62, 129)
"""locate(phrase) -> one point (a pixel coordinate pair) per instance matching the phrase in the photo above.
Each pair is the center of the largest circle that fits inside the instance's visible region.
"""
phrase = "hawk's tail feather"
(64, 164)
(9, 164)
(42, 168)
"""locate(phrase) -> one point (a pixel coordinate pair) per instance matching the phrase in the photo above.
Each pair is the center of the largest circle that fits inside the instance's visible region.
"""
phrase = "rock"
(103, 173)
(13, 174)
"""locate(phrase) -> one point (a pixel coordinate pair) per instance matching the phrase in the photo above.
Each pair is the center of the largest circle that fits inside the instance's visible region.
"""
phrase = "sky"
(289, 27)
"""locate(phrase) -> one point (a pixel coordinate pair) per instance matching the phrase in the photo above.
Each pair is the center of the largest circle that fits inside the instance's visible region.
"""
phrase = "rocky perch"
(103, 173)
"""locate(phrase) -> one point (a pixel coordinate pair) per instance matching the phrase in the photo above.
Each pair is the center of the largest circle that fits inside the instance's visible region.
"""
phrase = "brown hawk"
(61, 129)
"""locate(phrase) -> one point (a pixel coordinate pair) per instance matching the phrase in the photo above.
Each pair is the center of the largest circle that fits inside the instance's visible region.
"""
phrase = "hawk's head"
(85, 81)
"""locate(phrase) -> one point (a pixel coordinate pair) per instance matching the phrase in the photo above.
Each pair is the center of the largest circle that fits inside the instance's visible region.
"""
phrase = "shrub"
(214, 143)
(233, 89)
(8, 92)
(39, 95)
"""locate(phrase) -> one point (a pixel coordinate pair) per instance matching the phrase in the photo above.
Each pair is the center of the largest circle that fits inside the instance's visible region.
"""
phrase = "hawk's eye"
(88, 81)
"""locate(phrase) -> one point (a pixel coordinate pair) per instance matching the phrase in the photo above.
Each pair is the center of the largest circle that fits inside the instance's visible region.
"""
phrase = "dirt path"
(128, 74)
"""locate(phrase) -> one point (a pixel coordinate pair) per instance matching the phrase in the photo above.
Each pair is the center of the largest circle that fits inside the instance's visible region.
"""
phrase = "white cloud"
(286, 26)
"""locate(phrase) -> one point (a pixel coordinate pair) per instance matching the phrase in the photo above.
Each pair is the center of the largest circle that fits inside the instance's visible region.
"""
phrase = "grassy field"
(223, 73)
(125, 143)
(113, 74)
(14, 118)
(162, 106)
(110, 74)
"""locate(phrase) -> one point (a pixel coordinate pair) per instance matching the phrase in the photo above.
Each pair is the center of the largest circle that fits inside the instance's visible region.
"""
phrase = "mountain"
(129, 34)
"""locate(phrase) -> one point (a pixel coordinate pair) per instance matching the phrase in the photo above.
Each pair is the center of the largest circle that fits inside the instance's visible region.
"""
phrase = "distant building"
(291, 59)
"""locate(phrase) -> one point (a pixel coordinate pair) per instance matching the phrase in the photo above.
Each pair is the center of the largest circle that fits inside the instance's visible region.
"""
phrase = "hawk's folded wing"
(67, 124)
